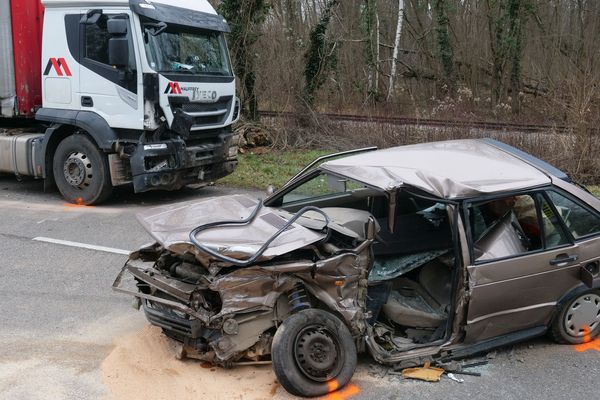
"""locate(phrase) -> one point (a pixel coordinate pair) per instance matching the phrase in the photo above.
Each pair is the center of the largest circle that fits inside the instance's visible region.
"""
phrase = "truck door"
(112, 92)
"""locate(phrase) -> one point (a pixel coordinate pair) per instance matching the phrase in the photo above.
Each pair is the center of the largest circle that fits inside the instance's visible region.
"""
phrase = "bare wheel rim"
(583, 315)
(78, 170)
(317, 353)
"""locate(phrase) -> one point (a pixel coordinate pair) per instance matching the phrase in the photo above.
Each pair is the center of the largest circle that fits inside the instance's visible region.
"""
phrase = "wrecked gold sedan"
(417, 253)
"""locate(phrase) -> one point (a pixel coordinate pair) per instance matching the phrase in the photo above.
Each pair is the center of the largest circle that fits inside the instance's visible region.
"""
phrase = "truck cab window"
(94, 52)
(96, 41)
(174, 49)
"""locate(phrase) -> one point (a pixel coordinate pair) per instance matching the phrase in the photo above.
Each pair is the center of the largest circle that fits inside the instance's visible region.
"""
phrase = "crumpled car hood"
(171, 225)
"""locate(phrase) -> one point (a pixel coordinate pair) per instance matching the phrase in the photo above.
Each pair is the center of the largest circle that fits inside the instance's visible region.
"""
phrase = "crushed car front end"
(225, 312)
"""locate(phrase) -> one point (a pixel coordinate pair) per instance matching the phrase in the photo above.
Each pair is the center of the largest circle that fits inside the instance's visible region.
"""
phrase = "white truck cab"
(138, 91)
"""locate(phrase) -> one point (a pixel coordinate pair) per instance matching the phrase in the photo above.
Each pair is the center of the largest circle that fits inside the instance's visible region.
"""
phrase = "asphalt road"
(59, 317)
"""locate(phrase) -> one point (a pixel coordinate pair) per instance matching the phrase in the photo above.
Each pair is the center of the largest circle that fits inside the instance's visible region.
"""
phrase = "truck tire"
(313, 353)
(81, 171)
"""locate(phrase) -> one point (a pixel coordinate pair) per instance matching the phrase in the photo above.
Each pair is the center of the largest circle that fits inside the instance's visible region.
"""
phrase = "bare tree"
(320, 56)
(245, 18)
(396, 48)
(370, 31)
(444, 45)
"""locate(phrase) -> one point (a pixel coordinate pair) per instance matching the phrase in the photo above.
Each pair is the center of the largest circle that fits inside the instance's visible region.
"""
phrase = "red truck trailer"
(21, 25)
(115, 92)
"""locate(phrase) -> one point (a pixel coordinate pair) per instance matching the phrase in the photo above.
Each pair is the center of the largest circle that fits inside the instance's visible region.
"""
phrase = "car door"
(516, 278)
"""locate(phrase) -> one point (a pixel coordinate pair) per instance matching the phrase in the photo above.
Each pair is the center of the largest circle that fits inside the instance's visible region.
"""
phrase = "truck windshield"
(181, 50)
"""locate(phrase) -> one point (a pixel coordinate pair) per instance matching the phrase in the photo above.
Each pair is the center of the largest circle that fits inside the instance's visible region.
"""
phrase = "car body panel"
(517, 293)
(450, 170)
(170, 225)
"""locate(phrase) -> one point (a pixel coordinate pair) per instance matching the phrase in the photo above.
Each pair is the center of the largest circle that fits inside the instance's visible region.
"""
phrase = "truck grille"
(204, 114)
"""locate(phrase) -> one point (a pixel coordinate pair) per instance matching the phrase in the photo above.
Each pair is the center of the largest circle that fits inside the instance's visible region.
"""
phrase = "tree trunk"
(396, 48)
(445, 49)
(496, 18)
(517, 20)
(319, 56)
(370, 27)
(245, 19)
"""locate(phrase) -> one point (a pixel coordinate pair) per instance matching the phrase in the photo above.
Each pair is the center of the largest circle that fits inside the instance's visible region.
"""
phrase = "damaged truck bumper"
(172, 164)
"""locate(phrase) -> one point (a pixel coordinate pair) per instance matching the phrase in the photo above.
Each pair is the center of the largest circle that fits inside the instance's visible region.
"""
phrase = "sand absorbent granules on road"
(142, 366)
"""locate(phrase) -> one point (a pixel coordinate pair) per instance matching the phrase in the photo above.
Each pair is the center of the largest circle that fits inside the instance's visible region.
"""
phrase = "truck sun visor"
(179, 16)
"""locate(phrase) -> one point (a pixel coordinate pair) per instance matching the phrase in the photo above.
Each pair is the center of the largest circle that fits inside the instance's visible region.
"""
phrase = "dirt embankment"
(141, 366)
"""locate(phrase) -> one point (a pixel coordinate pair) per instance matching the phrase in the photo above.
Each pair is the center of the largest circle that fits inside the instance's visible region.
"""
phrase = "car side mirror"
(371, 229)
(271, 189)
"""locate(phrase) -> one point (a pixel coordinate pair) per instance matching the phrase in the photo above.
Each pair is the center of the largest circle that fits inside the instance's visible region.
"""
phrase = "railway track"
(484, 125)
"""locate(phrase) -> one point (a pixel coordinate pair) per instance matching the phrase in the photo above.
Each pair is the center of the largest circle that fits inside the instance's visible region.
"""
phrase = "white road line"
(82, 245)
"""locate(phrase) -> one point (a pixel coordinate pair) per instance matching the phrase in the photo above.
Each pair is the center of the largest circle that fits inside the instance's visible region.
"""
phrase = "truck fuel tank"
(19, 154)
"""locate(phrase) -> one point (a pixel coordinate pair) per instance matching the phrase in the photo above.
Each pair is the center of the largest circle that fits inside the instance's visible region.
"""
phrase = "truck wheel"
(313, 353)
(81, 171)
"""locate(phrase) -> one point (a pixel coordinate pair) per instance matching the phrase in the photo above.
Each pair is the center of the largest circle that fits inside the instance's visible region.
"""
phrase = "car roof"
(452, 169)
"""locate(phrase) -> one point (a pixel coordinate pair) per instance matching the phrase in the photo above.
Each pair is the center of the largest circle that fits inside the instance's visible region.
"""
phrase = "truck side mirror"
(118, 44)
(117, 26)
(118, 52)
(91, 17)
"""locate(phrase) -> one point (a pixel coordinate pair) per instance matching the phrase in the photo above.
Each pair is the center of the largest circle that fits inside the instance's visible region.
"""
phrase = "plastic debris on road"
(424, 373)
(454, 378)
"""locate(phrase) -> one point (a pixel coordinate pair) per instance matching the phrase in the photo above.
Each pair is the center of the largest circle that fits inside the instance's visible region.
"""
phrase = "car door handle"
(563, 259)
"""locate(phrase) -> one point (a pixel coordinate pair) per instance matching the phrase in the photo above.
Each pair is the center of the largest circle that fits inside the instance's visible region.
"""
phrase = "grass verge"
(269, 168)
(595, 190)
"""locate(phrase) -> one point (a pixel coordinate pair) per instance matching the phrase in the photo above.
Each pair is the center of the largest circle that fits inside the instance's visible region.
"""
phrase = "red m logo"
(173, 88)
(60, 66)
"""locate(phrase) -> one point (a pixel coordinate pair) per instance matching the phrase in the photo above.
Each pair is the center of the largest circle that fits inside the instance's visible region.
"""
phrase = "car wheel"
(578, 320)
(81, 171)
(313, 353)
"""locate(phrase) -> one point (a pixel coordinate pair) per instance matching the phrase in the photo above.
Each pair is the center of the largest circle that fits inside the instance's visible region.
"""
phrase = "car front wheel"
(578, 320)
(313, 353)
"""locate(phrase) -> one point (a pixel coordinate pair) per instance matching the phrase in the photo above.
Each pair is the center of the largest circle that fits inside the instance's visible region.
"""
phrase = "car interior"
(411, 280)
(410, 283)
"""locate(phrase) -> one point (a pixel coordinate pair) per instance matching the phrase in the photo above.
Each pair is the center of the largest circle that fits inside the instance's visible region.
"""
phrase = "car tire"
(578, 320)
(81, 171)
(313, 353)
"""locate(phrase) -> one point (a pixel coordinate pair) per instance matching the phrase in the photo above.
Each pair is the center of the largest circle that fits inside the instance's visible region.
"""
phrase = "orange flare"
(588, 343)
(78, 204)
(593, 345)
(345, 393)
